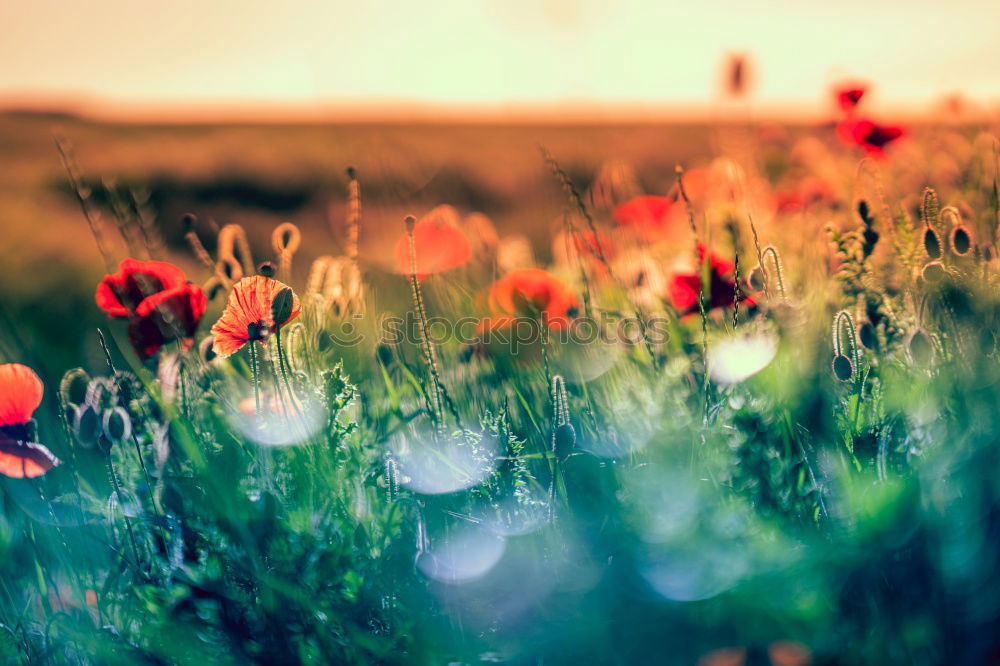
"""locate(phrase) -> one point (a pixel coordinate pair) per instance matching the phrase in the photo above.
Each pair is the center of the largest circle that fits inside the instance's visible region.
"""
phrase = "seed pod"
(205, 349)
(868, 336)
(932, 244)
(117, 425)
(864, 212)
(843, 369)
(213, 288)
(233, 238)
(286, 238)
(870, 239)
(281, 307)
(757, 279)
(934, 272)
(73, 388)
(86, 425)
(383, 353)
(961, 241)
(228, 270)
(921, 348)
(124, 388)
(324, 342)
(98, 389)
(565, 440)
(465, 356)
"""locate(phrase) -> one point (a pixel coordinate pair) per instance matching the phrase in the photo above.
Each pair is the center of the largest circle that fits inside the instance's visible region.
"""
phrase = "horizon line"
(396, 111)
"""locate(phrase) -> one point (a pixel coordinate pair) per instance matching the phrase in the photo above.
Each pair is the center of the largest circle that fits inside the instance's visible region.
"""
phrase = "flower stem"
(256, 378)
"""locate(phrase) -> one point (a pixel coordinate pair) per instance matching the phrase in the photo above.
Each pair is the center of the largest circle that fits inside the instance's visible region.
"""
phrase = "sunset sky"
(304, 53)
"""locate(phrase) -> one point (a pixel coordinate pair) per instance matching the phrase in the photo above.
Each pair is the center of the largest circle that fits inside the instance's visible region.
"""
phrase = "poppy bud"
(188, 221)
(116, 425)
(757, 279)
(843, 369)
(123, 390)
(868, 336)
(205, 349)
(864, 212)
(230, 268)
(255, 331)
(921, 348)
(934, 272)
(932, 244)
(324, 342)
(87, 425)
(384, 354)
(468, 351)
(870, 238)
(266, 269)
(565, 440)
(286, 238)
(961, 241)
(352, 173)
(410, 222)
(281, 307)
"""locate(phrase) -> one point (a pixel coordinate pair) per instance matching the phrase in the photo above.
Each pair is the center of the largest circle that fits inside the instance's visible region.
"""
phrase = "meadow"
(713, 394)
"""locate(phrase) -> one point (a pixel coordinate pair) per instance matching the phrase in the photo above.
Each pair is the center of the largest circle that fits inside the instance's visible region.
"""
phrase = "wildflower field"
(717, 395)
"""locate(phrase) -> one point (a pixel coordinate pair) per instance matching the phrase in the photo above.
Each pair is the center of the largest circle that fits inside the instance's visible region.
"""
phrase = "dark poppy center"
(258, 331)
(137, 287)
(20, 432)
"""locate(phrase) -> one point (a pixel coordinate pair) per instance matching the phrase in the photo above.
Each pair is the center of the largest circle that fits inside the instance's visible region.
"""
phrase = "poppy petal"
(169, 315)
(167, 274)
(121, 293)
(107, 296)
(848, 97)
(24, 460)
(439, 244)
(20, 393)
(645, 212)
(684, 290)
(531, 291)
(250, 302)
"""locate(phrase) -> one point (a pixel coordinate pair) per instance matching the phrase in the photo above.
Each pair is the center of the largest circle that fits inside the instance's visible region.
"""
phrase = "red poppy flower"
(810, 191)
(531, 292)
(250, 314)
(848, 96)
(736, 74)
(439, 244)
(869, 136)
(648, 216)
(685, 287)
(568, 248)
(20, 395)
(157, 299)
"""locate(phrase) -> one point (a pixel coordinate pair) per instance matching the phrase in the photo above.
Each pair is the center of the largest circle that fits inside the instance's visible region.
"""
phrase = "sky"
(129, 54)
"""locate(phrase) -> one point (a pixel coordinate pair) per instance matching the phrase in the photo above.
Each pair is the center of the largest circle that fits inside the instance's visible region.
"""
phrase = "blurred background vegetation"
(261, 175)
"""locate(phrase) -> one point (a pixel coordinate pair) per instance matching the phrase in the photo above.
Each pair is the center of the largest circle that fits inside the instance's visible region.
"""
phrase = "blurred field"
(260, 175)
(742, 481)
